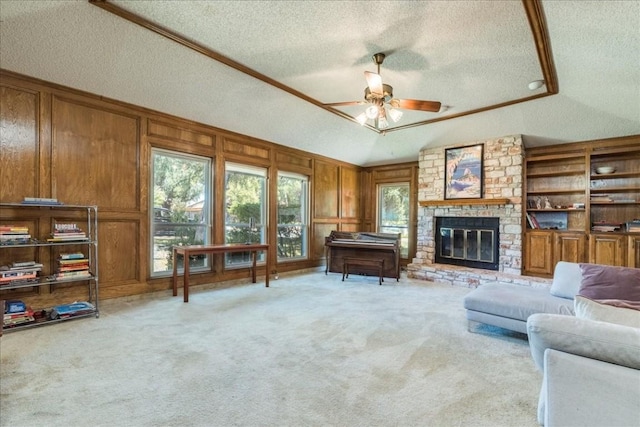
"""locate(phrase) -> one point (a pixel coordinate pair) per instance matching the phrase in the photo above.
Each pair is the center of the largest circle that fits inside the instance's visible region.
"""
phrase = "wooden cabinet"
(539, 253)
(633, 251)
(570, 247)
(607, 249)
(572, 200)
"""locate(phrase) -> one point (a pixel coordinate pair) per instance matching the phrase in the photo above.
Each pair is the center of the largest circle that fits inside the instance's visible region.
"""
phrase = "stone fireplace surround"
(503, 163)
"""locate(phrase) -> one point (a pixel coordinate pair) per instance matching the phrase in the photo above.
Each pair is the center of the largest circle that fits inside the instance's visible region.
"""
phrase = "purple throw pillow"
(604, 282)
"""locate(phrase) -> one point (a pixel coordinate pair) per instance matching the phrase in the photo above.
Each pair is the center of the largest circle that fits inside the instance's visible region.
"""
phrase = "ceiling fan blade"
(344, 104)
(374, 81)
(415, 104)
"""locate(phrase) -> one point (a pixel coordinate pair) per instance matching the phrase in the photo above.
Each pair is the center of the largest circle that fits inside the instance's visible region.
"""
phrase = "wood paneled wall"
(84, 149)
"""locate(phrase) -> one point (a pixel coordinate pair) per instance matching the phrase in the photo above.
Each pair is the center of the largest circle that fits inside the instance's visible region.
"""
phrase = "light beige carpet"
(308, 351)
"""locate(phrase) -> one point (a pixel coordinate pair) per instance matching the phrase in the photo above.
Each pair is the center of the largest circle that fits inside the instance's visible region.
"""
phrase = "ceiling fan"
(380, 96)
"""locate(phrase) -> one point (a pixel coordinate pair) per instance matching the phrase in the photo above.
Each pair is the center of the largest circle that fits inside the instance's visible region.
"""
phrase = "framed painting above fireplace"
(463, 172)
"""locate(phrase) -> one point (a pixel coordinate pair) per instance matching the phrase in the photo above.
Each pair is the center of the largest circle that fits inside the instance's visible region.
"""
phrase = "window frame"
(305, 215)
(404, 248)
(259, 171)
(206, 223)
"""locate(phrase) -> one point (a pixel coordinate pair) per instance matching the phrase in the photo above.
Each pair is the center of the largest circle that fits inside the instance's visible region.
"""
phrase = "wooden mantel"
(464, 202)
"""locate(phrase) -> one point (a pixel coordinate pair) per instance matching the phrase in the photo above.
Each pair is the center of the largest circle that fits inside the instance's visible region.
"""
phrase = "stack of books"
(18, 273)
(73, 266)
(13, 234)
(532, 220)
(67, 233)
(604, 226)
(16, 313)
(601, 198)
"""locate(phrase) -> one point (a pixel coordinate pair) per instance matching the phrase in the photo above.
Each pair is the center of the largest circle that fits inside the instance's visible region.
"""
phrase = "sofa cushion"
(607, 282)
(603, 341)
(515, 301)
(566, 280)
(594, 310)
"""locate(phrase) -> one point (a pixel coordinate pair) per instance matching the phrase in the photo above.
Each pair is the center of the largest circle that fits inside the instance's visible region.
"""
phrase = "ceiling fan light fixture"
(382, 123)
(362, 118)
(396, 115)
(372, 111)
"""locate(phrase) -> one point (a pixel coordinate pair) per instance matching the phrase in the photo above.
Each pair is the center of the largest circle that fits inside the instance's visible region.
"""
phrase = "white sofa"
(508, 306)
(591, 361)
(591, 371)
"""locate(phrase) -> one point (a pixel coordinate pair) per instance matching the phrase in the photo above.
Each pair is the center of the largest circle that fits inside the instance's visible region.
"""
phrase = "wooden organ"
(341, 244)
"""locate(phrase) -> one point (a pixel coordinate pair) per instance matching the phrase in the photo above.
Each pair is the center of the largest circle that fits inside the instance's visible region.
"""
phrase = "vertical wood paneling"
(350, 193)
(320, 231)
(18, 144)
(95, 156)
(118, 254)
(326, 183)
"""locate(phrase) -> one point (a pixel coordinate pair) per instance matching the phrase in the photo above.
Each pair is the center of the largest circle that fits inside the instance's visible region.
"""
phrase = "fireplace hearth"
(468, 241)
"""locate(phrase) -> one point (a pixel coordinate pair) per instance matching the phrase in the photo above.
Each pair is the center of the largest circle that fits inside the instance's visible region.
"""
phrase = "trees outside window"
(245, 210)
(292, 216)
(393, 212)
(180, 211)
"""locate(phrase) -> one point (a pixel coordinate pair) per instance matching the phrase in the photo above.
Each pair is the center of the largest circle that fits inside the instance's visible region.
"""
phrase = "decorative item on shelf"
(552, 220)
(598, 183)
(633, 226)
(604, 170)
(547, 203)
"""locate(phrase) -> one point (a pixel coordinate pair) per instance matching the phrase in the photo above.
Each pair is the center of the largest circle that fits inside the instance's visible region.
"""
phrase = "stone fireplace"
(502, 200)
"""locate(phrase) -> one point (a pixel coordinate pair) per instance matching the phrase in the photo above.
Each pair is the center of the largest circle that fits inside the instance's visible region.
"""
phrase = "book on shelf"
(604, 226)
(73, 261)
(78, 267)
(73, 274)
(534, 220)
(14, 234)
(66, 232)
(18, 318)
(71, 256)
(40, 201)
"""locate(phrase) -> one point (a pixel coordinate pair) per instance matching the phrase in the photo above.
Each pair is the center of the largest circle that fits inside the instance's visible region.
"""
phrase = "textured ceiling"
(469, 55)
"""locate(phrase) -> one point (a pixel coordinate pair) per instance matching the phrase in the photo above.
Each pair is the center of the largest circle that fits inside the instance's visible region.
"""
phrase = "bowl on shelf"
(605, 169)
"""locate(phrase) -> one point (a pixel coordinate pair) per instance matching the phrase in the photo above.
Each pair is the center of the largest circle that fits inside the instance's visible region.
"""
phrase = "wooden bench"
(363, 262)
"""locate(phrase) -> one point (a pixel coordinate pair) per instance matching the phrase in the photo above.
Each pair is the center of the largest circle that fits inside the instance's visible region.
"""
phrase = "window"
(393, 212)
(292, 216)
(246, 209)
(180, 211)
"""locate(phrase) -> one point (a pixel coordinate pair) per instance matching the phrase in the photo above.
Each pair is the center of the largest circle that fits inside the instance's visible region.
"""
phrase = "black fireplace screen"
(471, 242)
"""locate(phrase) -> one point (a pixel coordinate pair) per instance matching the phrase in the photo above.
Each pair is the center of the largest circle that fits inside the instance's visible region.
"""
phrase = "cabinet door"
(539, 252)
(607, 249)
(570, 247)
(633, 251)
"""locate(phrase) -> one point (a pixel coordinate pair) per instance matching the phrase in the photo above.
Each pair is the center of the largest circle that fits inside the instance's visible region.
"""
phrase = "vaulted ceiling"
(268, 69)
